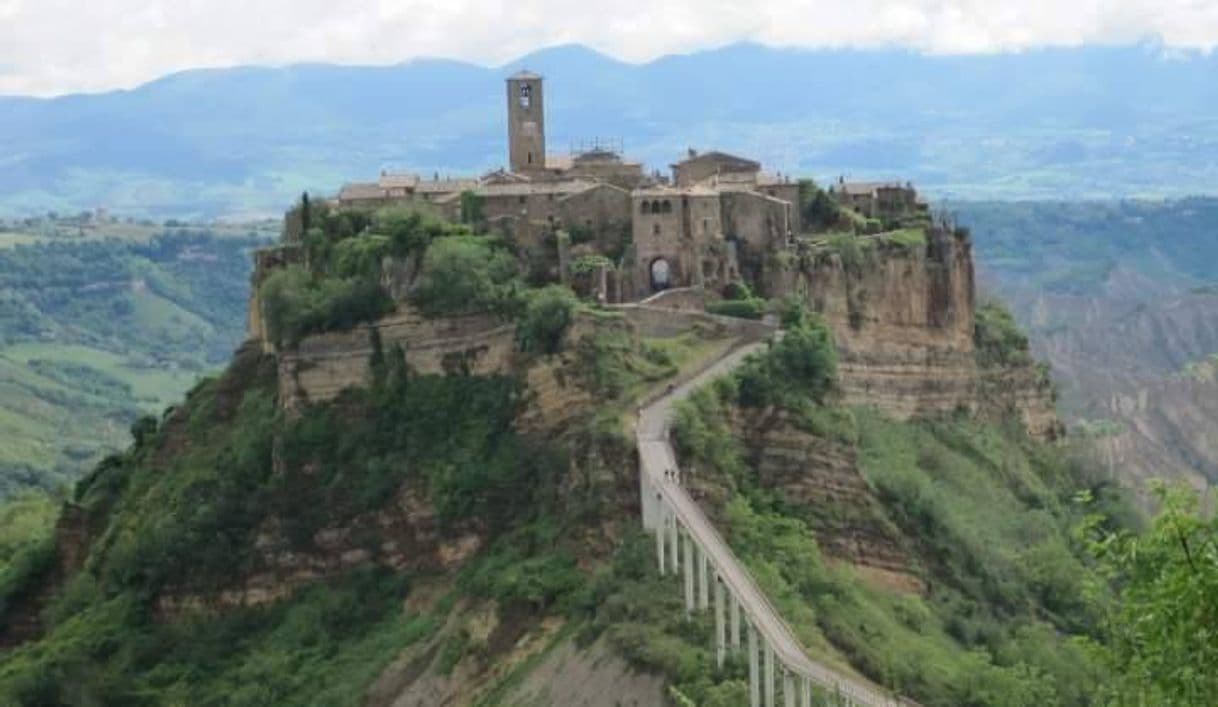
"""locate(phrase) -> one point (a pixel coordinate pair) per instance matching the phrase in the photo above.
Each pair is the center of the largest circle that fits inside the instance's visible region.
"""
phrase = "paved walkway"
(656, 455)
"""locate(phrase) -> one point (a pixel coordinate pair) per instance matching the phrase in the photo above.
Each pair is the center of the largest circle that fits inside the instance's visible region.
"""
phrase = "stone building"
(697, 168)
(717, 219)
(888, 201)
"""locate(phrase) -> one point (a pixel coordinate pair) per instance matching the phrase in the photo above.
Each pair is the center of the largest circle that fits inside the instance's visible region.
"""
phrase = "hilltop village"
(718, 218)
(453, 411)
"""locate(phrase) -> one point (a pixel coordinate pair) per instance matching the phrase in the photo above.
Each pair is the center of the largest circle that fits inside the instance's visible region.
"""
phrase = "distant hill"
(1054, 123)
(102, 325)
(1122, 299)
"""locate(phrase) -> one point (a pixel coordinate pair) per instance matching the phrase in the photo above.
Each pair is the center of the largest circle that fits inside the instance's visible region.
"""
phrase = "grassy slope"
(99, 331)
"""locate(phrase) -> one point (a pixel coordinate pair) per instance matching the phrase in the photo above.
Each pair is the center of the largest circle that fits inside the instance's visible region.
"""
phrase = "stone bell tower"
(526, 123)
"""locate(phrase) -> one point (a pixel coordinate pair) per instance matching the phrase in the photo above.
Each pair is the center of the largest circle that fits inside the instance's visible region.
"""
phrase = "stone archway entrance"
(661, 275)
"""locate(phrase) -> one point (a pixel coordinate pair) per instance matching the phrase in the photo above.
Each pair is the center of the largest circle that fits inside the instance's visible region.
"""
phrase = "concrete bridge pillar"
(647, 498)
(754, 672)
(805, 688)
(734, 622)
(720, 624)
(689, 573)
(788, 689)
(674, 554)
(703, 580)
(769, 675)
(661, 530)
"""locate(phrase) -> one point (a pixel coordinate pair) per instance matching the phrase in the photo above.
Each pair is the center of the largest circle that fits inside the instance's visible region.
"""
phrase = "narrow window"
(667, 206)
(646, 207)
(655, 229)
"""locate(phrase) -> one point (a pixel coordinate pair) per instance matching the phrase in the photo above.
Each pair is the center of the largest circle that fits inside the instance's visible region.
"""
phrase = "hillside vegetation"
(988, 518)
(411, 539)
(96, 331)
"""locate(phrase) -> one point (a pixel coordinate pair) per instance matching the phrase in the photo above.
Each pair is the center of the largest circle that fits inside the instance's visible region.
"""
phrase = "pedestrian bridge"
(688, 546)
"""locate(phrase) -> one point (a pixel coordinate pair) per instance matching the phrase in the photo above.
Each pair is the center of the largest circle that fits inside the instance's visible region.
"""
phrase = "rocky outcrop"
(1163, 429)
(404, 535)
(903, 319)
(822, 475)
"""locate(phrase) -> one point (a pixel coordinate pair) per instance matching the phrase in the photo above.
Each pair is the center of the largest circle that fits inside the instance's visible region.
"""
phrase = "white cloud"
(56, 46)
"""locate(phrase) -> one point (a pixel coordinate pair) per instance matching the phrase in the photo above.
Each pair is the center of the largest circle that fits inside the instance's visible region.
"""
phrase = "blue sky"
(49, 47)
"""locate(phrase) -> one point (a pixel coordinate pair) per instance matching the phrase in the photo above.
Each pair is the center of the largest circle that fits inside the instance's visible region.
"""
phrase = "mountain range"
(1054, 123)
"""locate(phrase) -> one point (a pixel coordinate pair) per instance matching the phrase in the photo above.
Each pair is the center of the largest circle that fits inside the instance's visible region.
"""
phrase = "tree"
(304, 213)
(143, 430)
(462, 275)
(472, 212)
(547, 316)
(1161, 601)
(818, 210)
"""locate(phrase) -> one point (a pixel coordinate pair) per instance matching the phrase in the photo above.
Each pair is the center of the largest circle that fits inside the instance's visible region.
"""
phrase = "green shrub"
(910, 239)
(743, 309)
(296, 303)
(360, 256)
(548, 314)
(818, 210)
(737, 290)
(803, 362)
(997, 338)
(473, 208)
(464, 275)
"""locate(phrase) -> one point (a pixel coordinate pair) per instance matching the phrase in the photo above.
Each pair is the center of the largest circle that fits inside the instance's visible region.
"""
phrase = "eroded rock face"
(1165, 429)
(823, 475)
(903, 319)
(404, 535)
(323, 365)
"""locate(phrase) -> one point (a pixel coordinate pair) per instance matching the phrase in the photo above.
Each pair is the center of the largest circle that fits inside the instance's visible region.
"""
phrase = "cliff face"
(323, 365)
(903, 318)
(1165, 428)
(822, 474)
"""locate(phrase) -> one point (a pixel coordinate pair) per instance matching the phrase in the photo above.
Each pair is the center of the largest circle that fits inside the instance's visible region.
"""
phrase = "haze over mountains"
(1060, 123)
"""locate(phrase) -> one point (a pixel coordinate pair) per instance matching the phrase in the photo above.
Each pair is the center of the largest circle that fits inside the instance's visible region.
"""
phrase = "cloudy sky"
(49, 47)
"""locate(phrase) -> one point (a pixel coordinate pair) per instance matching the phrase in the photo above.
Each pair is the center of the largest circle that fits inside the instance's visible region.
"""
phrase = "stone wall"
(789, 192)
(603, 211)
(661, 322)
(759, 225)
(322, 365)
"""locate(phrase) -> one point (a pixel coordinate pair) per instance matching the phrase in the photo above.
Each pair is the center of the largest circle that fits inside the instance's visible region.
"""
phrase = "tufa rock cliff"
(903, 317)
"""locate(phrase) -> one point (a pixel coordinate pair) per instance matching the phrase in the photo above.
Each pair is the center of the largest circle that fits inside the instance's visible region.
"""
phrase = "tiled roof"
(717, 155)
(390, 181)
(566, 186)
(444, 186)
(361, 190)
